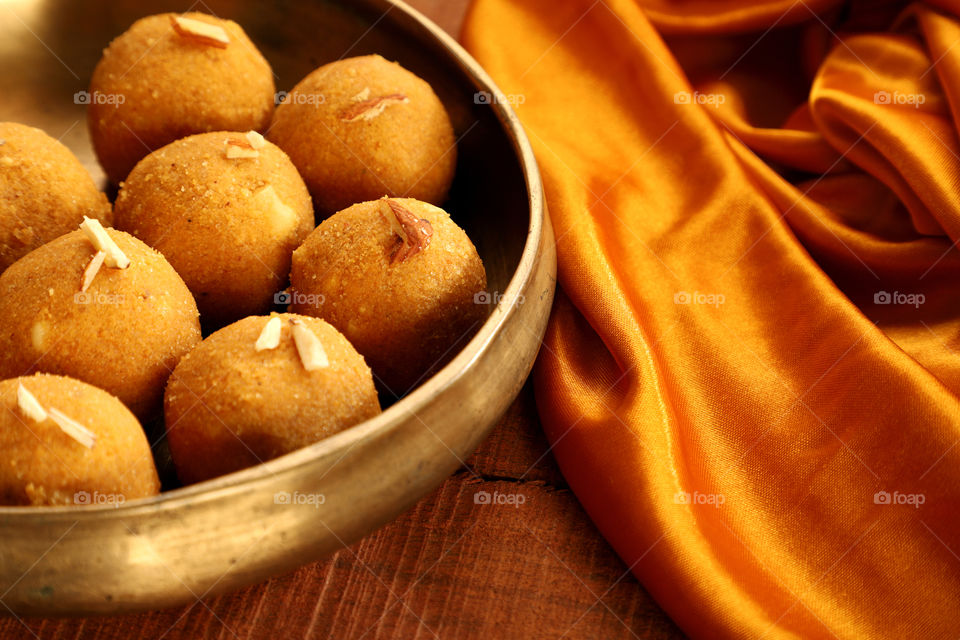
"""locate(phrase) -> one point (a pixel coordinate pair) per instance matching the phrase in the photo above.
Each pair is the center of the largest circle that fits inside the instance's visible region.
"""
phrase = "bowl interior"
(48, 50)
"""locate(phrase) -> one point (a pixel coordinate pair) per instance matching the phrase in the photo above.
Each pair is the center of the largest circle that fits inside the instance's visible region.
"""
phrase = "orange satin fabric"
(780, 204)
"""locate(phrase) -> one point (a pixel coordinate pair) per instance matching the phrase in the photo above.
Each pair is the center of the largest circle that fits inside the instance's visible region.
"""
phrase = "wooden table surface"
(449, 568)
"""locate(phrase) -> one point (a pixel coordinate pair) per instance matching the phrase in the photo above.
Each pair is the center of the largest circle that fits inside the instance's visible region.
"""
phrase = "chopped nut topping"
(29, 405)
(73, 429)
(92, 269)
(237, 148)
(256, 140)
(235, 151)
(200, 32)
(372, 107)
(270, 336)
(414, 233)
(308, 344)
(101, 241)
(281, 215)
(39, 333)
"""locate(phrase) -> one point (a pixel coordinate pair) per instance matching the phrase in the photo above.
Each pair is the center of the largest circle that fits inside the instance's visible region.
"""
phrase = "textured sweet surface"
(42, 465)
(44, 191)
(229, 406)
(227, 225)
(361, 128)
(125, 334)
(405, 316)
(153, 86)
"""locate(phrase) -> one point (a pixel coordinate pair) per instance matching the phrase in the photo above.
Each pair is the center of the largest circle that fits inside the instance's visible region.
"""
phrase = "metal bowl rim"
(245, 479)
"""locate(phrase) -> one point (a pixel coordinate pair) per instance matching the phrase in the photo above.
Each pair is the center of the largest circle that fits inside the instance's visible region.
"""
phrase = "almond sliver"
(308, 344)
(73, 429)
(240, 149)
(29, 405)
(270, 336)
(101, 241)
(371, 108)
(92, 269)
(201, 32)
(256, 140)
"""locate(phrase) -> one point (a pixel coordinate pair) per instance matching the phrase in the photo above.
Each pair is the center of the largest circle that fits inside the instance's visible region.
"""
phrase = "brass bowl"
(239, 529)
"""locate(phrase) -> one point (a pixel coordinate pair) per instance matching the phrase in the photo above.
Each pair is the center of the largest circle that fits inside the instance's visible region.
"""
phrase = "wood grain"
(449, 568)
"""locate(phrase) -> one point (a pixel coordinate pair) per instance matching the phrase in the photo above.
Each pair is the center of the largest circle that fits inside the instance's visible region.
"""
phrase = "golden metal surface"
(232, 531)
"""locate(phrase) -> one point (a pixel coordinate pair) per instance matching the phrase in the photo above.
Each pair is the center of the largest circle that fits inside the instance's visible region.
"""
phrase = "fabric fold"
(751, 374)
